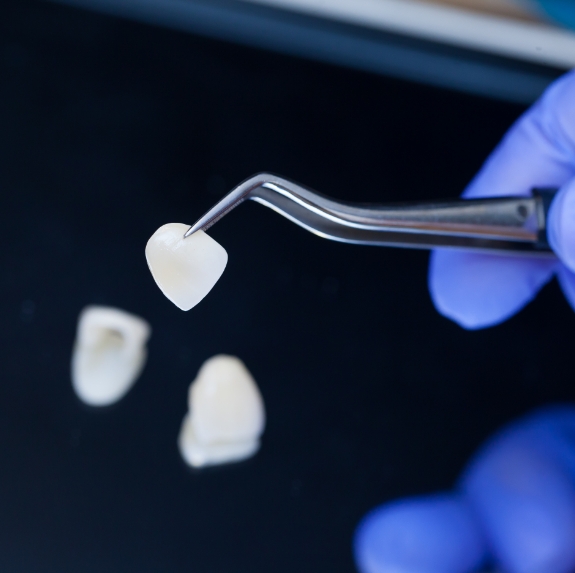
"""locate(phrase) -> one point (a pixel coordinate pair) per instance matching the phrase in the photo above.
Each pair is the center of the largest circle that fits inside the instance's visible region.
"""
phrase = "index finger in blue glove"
(539, 150)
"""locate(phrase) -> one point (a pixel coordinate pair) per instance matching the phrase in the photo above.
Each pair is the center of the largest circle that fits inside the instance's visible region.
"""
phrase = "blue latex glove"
(514, 507)
(478, 290)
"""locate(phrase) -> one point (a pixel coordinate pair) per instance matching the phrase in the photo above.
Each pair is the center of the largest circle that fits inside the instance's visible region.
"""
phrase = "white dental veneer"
(109, 354)
(226, 417)
(185, 269)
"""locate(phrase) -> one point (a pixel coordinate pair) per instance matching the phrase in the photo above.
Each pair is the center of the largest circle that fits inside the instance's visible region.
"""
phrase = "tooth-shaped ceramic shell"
(109, 354)
(227, 414)
(185, 269)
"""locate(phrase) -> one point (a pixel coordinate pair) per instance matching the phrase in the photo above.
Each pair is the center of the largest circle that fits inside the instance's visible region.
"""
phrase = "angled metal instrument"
(504, 225)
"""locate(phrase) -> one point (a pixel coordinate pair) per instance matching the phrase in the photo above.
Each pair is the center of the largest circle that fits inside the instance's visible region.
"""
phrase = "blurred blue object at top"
(561, 10)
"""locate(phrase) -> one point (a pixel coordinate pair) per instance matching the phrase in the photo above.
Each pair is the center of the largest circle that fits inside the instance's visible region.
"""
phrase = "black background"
(109, 129)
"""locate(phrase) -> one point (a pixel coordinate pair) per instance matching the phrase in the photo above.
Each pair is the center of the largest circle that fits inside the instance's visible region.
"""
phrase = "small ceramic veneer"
(226, 417)
(109, 354)
(186, 270)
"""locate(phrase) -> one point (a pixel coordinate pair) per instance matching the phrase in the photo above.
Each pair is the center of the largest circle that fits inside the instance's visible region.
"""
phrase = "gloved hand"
(477, 290)
(514, 508)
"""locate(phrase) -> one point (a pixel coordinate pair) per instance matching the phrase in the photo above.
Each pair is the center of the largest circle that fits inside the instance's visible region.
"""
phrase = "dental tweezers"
(504, 225)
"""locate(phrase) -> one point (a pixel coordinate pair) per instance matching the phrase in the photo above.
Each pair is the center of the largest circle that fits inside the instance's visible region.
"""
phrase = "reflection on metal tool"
(505, 225)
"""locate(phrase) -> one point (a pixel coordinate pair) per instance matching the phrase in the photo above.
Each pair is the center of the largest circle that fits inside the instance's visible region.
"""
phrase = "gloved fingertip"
(561, 225)
(524, 497)
(435, 534)
(477, 290)
(566, 279)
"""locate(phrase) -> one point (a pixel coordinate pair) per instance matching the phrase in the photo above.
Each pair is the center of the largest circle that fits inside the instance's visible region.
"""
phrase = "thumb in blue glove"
(477, 290)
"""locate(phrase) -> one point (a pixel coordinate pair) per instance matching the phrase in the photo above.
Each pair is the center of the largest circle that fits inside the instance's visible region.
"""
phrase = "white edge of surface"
(534, 42)
(264, 26)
